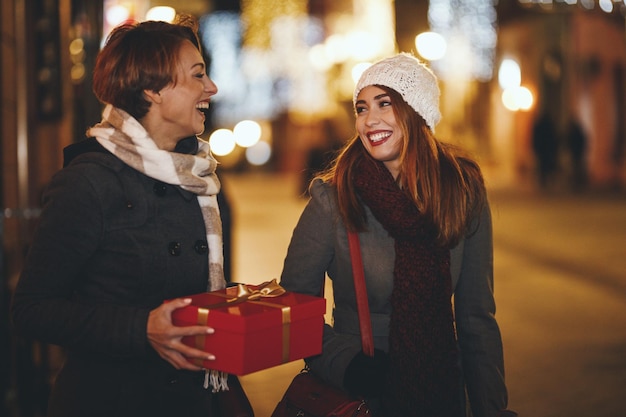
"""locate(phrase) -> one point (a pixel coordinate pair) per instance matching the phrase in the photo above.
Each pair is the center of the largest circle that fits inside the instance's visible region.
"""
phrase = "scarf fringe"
(217, 380)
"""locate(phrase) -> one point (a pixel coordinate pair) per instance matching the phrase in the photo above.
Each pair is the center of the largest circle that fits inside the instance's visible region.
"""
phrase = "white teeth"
(202, 105)
(377, 137)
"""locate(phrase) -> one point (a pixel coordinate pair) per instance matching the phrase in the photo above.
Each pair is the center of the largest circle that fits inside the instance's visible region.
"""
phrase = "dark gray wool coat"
(111, 245)
(319, 247)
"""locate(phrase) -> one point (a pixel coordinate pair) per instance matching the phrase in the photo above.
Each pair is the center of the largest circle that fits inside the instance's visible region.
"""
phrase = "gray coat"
(111, 245)
(319, 247)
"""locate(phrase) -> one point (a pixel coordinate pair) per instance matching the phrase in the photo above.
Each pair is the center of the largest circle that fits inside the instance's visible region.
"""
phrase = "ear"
(153, 96)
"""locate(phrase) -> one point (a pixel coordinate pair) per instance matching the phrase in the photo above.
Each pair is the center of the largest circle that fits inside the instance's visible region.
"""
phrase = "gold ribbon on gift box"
(267, 289)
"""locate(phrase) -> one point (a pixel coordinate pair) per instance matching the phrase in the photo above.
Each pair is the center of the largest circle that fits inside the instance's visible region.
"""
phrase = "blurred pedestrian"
(321, 154)
(421, 212)
(577, 145)
(545, 146)
(131, 221)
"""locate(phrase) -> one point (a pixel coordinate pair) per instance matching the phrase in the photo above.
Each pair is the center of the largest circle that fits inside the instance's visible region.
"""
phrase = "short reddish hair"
(137, 57)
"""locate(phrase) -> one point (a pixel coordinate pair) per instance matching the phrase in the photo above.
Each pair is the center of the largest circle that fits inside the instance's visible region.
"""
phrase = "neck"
(158, 132)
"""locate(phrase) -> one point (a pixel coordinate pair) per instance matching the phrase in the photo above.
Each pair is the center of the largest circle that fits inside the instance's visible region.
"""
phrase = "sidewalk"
(560, 286)
(582, 234)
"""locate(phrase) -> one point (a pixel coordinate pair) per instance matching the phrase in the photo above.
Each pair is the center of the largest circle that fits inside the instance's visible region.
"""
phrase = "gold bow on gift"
(268, 289)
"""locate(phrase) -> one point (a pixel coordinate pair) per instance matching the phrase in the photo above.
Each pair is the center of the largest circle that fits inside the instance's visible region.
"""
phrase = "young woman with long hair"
(421, 212)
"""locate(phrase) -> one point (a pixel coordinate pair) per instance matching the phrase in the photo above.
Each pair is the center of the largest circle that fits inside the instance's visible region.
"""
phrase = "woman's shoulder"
(322, 190)
(323, 197)
(319, 185)
(90, 151)
(88, 166)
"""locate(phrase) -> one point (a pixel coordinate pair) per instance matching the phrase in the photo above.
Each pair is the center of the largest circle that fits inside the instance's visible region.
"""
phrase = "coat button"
(201, 246)
(159, 188)
(174, 248)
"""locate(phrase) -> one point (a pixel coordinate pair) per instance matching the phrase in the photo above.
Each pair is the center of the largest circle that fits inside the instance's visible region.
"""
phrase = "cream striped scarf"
(126, 138)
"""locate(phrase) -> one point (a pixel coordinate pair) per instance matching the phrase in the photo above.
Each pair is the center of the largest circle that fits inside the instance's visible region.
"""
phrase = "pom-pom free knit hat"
(415, 82)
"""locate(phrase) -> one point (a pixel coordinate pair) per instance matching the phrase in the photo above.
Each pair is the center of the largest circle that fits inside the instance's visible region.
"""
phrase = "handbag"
(308, 395)
(234, 402)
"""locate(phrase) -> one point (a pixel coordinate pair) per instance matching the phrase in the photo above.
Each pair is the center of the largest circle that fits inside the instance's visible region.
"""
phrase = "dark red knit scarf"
(424, 374)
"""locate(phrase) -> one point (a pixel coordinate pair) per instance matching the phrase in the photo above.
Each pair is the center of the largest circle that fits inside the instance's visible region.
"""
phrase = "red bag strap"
(365, 324)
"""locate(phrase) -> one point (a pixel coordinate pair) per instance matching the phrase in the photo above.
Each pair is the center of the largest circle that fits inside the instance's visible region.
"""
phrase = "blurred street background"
(534, 89)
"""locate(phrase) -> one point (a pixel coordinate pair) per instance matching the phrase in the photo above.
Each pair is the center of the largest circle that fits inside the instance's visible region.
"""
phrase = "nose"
(371, 118)
(209, 86)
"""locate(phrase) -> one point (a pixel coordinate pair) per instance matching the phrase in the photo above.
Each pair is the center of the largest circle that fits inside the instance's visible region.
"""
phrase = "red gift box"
(256, 327)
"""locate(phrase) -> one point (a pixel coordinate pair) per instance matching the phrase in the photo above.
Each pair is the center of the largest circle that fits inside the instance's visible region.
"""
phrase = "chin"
(199, 128)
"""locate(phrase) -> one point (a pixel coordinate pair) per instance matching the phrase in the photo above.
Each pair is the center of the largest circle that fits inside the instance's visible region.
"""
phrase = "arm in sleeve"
(46, 305)
(479, 336)
(311, 248)
(309, 255)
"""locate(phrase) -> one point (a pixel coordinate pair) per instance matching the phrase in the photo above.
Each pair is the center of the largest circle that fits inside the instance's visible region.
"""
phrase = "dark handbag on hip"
(310, 396)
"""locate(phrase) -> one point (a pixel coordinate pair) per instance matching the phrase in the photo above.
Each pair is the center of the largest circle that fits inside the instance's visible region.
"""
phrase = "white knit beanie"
(415, 82)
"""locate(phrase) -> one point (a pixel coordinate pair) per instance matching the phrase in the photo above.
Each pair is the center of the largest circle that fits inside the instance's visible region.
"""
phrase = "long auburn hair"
(445, 184)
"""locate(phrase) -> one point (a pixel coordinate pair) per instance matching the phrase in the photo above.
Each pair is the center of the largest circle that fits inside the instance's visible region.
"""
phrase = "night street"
(560, 263)
(102, 101)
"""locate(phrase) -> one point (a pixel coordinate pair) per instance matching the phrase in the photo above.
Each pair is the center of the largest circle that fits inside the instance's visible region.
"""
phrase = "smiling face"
(177, 110)
(377, 127)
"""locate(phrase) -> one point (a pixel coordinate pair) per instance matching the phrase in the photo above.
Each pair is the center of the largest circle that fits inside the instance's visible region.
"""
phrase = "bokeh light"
(162, 13)
(222, 142)
(509, 74)
(358, 70)
(363, 46)
(430, 45)
(525, 98)
(247, 133)
(116, 14)
(259, 154)
(318, 58)
(517, 98)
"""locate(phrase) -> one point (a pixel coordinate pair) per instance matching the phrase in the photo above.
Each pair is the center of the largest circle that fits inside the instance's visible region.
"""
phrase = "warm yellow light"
(358, 70)
(517, 98)
(77, 73)
(363, 46)
(336, 49)
(247, 133)
(508, 99)
(432, 46)
(77, 46)
(116, 15)
(261, 18)
(163, 13)
(509, 74)
(317, 57)
(222, 142)
(525, 98)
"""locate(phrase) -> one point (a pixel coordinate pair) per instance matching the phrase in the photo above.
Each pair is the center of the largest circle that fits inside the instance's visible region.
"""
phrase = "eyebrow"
(378, 97)
(198, 64)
